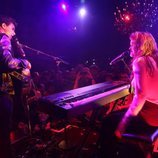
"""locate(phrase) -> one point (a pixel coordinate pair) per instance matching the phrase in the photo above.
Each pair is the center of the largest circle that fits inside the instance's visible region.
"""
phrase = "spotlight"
(127, 18)
(63, 7)
(82, 12)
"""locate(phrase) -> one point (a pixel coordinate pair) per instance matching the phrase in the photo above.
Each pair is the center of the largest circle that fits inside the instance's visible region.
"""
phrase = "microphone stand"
(127, 67)
(57, 59)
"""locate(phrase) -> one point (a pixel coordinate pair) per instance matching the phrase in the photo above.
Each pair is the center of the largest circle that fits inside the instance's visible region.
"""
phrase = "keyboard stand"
(88, 130)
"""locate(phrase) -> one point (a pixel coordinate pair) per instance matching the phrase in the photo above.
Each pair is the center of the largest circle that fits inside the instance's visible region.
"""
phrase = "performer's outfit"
(8, 64)
(142, 113)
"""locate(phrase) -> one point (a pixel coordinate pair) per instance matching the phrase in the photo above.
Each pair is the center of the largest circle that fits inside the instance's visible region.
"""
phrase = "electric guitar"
(24, 76)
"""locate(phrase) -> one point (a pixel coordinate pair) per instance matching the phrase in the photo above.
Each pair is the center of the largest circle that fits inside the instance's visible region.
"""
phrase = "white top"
(145, 87)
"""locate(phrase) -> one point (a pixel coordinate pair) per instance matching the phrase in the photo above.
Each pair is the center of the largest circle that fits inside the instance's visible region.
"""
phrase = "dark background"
(42, 26)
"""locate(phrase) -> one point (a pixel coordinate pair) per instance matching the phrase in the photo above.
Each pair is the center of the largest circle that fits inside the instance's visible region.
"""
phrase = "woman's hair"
(146, 47)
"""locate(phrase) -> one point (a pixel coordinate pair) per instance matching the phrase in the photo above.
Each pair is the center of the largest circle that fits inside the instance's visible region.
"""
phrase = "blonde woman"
(144, 52)
(142, 115)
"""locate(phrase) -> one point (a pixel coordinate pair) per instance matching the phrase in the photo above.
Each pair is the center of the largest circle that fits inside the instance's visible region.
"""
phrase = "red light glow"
(127, 18)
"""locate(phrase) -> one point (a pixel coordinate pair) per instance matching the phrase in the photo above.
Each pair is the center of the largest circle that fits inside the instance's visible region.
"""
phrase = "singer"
(142, 115)
(8, 63)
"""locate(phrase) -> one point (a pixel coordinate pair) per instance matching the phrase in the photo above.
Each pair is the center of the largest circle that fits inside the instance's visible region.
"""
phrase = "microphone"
(19, 46)
(119, 57)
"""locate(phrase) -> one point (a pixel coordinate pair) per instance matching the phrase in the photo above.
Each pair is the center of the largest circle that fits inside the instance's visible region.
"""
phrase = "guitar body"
(23, 73)
(24, 76)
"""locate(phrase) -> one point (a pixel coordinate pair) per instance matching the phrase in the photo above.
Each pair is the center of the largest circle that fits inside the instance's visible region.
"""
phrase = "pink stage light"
(63, 7)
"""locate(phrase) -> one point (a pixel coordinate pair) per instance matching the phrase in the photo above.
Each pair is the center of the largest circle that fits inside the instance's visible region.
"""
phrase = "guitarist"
(8, 63)
(20, 79)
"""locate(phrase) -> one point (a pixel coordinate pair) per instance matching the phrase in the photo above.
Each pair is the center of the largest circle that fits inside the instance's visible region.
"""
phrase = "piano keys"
(78, 101)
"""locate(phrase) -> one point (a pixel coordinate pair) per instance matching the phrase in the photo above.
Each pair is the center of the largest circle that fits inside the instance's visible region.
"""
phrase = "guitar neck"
(18, 76)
